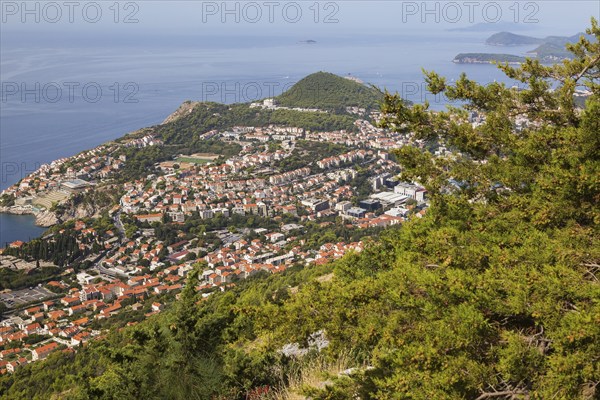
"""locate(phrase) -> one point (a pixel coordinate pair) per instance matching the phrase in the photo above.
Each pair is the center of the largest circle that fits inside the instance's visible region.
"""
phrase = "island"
(511, 39)
(487, 58)
(550, 49)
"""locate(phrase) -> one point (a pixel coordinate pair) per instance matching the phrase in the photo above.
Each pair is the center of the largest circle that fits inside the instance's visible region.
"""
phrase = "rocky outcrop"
(78, 212)
(43, 218)
(185, 108)
(17, 210)
(46, 219)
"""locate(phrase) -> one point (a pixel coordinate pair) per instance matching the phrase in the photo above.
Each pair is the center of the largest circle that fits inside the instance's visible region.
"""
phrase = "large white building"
(413, 191)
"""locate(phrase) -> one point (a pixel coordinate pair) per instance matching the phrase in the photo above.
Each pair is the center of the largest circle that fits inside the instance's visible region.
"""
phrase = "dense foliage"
(466, 58)
(495, 293)
(327, 91)
(208, 116)
(309, 150)
(61, 249)
(11, 279)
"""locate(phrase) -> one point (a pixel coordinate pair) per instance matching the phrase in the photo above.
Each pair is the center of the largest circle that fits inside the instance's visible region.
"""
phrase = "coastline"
(43, 218)
(474, 61)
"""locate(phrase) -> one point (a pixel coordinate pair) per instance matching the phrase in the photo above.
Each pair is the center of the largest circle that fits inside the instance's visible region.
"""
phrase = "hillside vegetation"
(328, 91)
(182, 131)
(489, 58)
(183, 135)
(494, 294)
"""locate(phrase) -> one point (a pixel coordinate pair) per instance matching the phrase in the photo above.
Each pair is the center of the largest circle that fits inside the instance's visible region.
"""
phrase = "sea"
(62, 97)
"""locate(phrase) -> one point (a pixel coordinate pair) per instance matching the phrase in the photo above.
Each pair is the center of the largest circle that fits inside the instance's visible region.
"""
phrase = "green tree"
(512, 208)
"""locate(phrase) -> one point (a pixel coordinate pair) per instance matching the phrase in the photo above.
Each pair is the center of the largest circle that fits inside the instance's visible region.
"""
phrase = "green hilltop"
(182, 131)
(328, 91)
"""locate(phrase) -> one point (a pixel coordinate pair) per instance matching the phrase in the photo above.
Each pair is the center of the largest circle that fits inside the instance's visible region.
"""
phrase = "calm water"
(18, 227)
(141, 83)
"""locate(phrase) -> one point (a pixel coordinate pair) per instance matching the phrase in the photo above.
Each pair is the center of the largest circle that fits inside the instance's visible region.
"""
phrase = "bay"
(18, 227)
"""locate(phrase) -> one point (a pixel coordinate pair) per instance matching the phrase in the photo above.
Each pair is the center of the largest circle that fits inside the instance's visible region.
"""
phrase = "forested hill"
(188, 133)
(322, 91)
(330, 92)
(493, 294)
(511, 39)
(184, 132)
(550, 49)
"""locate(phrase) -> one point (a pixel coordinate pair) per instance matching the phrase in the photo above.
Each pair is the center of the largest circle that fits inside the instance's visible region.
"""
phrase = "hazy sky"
(303, 19)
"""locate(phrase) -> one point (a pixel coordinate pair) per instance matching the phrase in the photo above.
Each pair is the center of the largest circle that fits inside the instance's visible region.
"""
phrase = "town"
(273, 206)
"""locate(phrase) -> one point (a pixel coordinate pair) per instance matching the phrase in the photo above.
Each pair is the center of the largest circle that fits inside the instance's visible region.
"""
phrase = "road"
(119, 224)
(101, 270)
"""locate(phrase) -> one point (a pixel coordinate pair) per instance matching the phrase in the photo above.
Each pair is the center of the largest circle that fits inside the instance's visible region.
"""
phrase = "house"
(32, 310)
(150, 217)
(47, 305)
(275, 237)
(11, 366)
(43, 351)
(81, 322)
(177, 246)
(56, 315)
(80, 338)
(69, 332)
(76, 309)
(33, 328)
(89, 293)
(9, 352)
(38, 316)
(106, 294)
(112, 310)
(70, 301)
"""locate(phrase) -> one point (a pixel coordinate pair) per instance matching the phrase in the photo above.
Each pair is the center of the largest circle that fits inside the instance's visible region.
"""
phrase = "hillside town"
(134, 267)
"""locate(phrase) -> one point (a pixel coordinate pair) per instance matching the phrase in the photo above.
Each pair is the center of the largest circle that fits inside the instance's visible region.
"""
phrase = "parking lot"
(18, 297)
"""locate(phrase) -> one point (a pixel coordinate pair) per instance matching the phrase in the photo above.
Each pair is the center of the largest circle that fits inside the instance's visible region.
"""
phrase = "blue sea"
(60, 98)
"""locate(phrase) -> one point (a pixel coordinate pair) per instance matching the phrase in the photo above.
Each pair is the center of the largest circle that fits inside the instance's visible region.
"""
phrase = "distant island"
(486, 58)
(487, 27)
(308, 41)
(550, 49)
(511, 39)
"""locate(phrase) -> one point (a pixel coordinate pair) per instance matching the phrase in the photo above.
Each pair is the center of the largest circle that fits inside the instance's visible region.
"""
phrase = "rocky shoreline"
(43, 218)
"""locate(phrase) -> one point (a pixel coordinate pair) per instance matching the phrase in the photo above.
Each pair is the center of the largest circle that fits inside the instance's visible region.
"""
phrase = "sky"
(301, 19)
